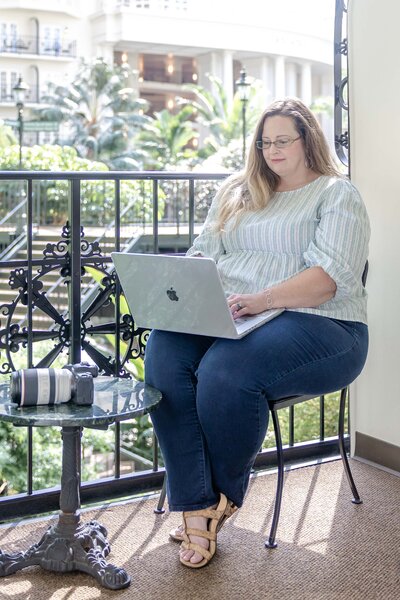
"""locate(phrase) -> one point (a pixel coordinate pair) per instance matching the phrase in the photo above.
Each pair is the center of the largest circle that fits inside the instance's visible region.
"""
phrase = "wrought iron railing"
(30, 44)
(341, 112)
(75, 329)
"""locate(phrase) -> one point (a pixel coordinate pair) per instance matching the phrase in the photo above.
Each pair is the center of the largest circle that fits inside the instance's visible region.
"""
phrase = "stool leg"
(160, 506)
(356, 498)
(271, 543)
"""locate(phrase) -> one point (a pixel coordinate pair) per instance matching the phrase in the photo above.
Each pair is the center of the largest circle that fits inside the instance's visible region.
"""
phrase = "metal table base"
(70, 545)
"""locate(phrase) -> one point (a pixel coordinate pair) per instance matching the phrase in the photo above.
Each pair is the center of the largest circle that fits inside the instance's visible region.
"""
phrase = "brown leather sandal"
(176, 534)
(216, 518)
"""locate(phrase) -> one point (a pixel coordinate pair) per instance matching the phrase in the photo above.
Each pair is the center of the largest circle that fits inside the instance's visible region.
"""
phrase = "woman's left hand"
(247, 304)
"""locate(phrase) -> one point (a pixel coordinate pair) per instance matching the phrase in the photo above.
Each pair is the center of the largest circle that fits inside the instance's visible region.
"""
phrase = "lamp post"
(243, 87)
(19, 92)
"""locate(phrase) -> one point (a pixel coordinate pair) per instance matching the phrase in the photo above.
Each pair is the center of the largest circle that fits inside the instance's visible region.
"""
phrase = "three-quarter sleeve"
(209, 242)
(340, 244)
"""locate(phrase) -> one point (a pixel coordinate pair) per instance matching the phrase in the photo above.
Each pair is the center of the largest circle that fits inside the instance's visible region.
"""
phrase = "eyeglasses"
(282, 142)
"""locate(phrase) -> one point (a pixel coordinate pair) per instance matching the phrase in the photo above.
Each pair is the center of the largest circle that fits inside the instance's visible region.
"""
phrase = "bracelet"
(268, 295)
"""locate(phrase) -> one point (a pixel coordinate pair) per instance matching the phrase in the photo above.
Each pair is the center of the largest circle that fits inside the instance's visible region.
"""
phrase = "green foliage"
(323, 105)
(13, 443)
(47, 157)
(46, 449)
(307, 424)
(101, 111)
(97, 197)
(7, 138)
(224, 121)
(135, 366)
(138, 437)
(165, 138)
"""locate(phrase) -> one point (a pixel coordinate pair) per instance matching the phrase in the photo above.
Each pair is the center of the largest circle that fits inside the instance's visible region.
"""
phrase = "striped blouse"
(323, 224)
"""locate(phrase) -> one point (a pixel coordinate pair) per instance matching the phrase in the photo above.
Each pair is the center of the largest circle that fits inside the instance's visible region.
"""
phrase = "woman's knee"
(169, 354)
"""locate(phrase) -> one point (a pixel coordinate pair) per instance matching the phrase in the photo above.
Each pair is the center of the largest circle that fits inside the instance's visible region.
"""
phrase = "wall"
(374, 93)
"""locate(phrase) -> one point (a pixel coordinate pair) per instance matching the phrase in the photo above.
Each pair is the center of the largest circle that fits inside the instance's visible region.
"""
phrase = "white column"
(326, 120)
(134, 63)
(291, 79)
(208, 63)
(306, 89)
(106, 51)
(266, 76)
(280, 88)
(227, 75)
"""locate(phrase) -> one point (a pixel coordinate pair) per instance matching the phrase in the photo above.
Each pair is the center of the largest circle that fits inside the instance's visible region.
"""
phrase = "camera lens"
(41, 386)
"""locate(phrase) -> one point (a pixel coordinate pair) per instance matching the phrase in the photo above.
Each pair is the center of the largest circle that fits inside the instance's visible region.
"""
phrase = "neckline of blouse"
(302, 187)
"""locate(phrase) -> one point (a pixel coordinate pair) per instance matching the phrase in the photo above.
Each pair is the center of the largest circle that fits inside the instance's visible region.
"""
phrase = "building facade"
(169, 43)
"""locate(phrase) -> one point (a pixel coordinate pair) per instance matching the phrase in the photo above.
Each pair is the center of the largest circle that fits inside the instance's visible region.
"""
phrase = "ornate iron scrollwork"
(56, 257)
(342, 140)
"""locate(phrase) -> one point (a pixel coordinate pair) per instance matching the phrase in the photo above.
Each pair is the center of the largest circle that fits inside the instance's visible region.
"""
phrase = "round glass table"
(71, 545)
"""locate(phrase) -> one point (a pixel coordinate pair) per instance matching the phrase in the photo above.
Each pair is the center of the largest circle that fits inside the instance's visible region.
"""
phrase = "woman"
(289, 231)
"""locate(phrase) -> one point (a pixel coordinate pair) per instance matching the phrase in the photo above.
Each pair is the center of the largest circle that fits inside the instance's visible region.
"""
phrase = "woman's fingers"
(246, 304)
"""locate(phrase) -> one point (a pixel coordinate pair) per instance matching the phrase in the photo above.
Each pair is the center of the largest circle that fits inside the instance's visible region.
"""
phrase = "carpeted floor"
(328, 548)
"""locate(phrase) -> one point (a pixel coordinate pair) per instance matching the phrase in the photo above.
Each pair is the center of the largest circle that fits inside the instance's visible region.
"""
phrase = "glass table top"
(115, 399)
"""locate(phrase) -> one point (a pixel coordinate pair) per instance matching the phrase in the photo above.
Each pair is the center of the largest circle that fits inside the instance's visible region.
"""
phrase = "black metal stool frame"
(275, 406)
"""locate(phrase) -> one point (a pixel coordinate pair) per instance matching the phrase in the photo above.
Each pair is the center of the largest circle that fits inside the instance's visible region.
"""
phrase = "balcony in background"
(29, 44)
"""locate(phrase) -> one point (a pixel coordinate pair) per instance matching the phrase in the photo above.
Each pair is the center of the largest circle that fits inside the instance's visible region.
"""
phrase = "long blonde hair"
(252, 188)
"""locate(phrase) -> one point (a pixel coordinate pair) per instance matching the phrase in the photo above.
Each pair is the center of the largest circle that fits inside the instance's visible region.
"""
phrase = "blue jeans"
(213, 417)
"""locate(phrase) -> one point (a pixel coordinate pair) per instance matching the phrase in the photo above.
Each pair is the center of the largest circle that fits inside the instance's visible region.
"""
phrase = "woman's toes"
(191, 556)
(196, 558)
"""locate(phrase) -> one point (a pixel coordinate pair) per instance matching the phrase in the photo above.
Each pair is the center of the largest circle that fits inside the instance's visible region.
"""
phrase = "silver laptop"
(182, 294)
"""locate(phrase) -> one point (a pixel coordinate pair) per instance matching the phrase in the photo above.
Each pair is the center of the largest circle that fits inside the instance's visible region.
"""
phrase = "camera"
(30, 387)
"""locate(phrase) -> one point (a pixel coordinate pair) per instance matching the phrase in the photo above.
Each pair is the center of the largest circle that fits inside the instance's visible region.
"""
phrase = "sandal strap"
(216, 517)
(212, 513)
(208, 513)
(208, 535)
(197, 548)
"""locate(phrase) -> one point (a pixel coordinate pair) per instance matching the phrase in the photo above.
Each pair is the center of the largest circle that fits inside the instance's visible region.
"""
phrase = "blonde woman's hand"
(247, 304)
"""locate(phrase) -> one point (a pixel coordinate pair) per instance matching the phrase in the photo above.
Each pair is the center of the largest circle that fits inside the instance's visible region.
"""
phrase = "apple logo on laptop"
(171, 293)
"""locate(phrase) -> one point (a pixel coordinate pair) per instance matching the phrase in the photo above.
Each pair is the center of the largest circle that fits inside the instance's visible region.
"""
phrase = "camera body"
(82, 382)
(30, 387)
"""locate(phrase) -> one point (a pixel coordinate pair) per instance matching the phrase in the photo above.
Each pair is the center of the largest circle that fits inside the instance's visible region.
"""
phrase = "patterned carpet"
(328, 548)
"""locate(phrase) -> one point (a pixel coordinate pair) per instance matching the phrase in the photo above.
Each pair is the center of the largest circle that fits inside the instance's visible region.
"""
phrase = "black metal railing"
(74, 330)
(340, 67)
(30, 44)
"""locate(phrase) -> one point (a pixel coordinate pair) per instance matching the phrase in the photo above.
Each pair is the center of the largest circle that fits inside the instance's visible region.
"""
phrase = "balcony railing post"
(155, 216)
(340, 70)
(75, 271)
(191, 212)
(29, 246)
(117, 244)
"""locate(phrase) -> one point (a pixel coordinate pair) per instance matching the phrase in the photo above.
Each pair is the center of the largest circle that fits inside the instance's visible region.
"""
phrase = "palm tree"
(100, 113)
(223, 121)
(166, 137)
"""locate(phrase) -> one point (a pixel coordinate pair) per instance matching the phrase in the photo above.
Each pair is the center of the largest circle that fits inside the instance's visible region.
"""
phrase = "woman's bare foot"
(200, 534)
(195, 523)
(176, 534)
